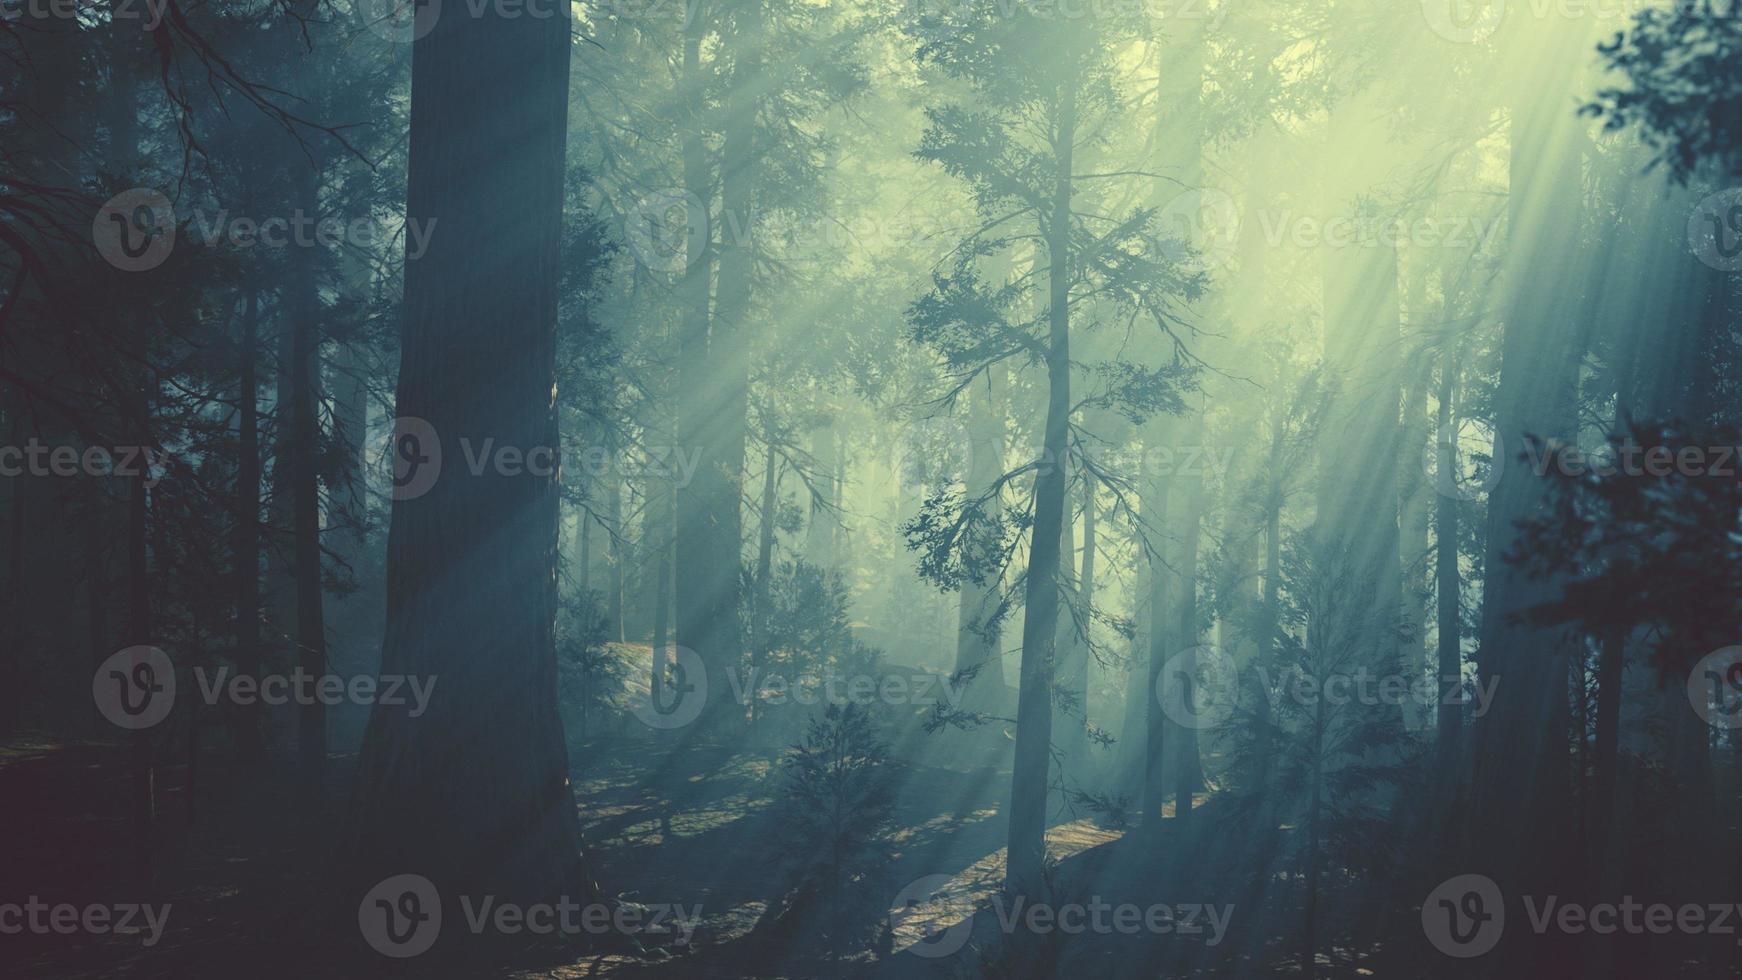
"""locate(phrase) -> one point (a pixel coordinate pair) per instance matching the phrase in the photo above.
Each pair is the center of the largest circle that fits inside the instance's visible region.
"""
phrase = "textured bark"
(475, 793)
(703, 595)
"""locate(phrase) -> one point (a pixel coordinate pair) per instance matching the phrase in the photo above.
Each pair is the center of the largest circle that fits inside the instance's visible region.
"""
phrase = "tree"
(1043, 88)
(475, 792)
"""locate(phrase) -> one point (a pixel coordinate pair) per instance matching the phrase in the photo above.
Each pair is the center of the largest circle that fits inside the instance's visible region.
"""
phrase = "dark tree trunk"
(1161, 645)
(1447, 585)
(1028, 783)
(311, 642)
(764, 562)
(703, 595)
(474, 793)
(246, 546)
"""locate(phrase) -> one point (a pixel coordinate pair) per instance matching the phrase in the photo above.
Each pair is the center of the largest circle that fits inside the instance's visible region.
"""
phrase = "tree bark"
(474, 793)
(1028, 783)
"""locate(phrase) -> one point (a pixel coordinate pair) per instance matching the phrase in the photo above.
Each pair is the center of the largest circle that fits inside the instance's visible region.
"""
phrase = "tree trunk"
(303, 474)
(1161, 626)
(702, 595)
(474, 793)
(1447, 585)
(246, 546)
(764, 562)
(616, 545)
(977, 639)
(1028, 782)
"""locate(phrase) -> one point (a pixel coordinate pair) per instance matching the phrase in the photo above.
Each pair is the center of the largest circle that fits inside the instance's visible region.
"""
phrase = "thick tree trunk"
(1520, 792)
(705, 595)
(474, 793)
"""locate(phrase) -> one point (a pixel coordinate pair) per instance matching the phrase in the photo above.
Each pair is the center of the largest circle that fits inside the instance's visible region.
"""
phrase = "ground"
(242, 873)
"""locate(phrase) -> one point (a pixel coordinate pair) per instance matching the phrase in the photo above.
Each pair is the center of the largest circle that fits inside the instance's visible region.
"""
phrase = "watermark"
(1199, 688)
(401, 917)
(135, 688)
(1715, 688)
(1715, 230)
(1203, 227)
(399, 21)
(40, 918)
(136, 230)
(935, 918)
(667, 230)
(1465, 916)
(1464, 21)
(1366, 230)
(833, 687)
(1463, 460)
(302, 230)
(38, 459)
(677, 690)
(415, 455)
(1632, 459)
(148, 13)
(1475, 21)
(1211, 12)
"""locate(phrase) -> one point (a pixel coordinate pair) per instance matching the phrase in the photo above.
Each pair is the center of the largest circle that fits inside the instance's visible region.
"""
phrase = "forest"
(871, 488)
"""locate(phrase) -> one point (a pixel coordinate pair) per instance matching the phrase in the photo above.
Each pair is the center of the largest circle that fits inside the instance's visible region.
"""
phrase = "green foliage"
(837, 797)
(1683, 66)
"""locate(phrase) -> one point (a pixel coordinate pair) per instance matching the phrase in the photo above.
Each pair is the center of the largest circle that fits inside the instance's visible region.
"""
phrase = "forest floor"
(693, 829)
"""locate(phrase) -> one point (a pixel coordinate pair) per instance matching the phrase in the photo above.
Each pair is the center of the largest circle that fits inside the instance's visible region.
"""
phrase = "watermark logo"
(402, 916)
(1715, 688)
(1464, 21)
(920, 907)
(1464, 459)
(667, 230)
(1198, 688)
(1715, 230)
(134, 231)
(400, 21)
(1203, 226)
(677, 692)
(135, 688)
(1464, 916)
(415, 451)
(830, 686)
